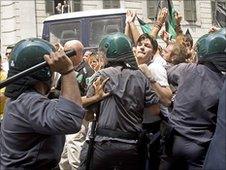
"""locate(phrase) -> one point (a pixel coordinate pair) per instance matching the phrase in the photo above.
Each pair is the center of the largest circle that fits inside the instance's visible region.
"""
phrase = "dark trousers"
(113, 155)
(152, 153)
(216, 155)
(185, 154)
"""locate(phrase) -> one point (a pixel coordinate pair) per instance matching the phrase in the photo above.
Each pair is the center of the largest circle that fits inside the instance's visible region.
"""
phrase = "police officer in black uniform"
(216, 155)
(120, 115)
(192, 121)
(34, 127)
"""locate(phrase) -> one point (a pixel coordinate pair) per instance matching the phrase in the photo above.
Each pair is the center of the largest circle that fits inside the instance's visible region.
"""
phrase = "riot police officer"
(192, 121)
(120, 114)
(33, 127)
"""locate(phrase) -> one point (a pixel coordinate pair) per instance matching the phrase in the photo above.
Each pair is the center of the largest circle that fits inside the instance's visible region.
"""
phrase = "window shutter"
(152, 9)
(50, 7)
(213, 12)
(77, 5)
(218, 8)
(107, 4)
(190, 10)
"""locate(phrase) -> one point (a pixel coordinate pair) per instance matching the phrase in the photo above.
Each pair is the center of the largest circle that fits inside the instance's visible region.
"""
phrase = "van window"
(64, 32)
(100, 27)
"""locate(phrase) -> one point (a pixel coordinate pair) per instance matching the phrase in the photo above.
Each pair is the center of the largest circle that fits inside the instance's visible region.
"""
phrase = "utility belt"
(118, 134)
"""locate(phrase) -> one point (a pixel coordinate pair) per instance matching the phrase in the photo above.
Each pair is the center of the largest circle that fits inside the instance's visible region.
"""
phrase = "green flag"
(145, 27)
(171, 22)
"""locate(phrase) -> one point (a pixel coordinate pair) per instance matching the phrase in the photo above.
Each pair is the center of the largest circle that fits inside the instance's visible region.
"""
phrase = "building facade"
(23, 18)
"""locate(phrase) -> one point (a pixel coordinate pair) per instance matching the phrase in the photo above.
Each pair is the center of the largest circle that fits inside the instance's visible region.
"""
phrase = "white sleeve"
(159, 73)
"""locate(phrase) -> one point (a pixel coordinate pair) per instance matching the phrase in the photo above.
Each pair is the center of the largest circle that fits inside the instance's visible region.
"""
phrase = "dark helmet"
(212, 48)
(213, 43)
(118, 49)
(30, 52)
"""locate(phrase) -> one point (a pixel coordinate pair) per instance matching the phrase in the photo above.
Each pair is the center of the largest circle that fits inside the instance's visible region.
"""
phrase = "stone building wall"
(23, 18)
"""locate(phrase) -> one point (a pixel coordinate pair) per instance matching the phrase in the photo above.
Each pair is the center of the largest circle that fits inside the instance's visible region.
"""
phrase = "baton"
(28, 71)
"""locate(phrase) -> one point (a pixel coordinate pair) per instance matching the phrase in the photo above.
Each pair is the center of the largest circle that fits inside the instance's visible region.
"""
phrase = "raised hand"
(165, 36)
(58, 47)
(213, 29)
(162, 15)
(130, 16)
(178, 18)
(59, 62)
(144, 69)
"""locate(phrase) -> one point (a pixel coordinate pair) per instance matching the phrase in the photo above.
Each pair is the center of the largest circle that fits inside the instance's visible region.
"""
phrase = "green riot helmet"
(212, 43)
(30, 52)
(212, 48)
(118, 49)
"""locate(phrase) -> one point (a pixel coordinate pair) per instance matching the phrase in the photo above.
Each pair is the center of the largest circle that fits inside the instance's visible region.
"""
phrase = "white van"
(87, 26)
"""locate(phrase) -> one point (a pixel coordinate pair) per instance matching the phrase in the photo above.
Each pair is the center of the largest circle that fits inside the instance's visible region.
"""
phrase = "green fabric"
(145, 27)
(171, 22)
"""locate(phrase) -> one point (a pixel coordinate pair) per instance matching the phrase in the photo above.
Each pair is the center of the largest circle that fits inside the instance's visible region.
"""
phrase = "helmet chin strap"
(216, 62)
(211, 66)
(42, 87)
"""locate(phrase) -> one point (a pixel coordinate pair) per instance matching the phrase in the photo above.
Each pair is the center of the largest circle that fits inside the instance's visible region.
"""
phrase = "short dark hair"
(154, 43)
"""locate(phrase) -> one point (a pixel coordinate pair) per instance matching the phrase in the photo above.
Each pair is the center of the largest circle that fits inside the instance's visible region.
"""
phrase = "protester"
(87, 54)
(5, 60)
(74, 142)
(95, 61)
(3, 75)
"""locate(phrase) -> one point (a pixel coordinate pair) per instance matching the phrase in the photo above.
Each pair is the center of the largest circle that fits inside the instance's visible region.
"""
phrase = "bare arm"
(99, 92)
(164, 93)
(135, 32)
(165, 37)
(178, 19)
(129, 19)
(159, 22)
(131, 29)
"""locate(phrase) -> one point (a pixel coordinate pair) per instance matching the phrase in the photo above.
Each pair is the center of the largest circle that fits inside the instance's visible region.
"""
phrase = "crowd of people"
(131, 105)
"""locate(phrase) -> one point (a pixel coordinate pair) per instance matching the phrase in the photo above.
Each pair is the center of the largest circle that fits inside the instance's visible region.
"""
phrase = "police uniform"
(216, 155)
(33, 126)
(33, 130)
(194, 112)
(120, 115)
(193, 118)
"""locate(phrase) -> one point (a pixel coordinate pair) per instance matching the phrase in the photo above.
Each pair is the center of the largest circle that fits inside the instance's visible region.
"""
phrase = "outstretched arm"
(159, 22)
(131, 29)
(99, 92)
(178, 19)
